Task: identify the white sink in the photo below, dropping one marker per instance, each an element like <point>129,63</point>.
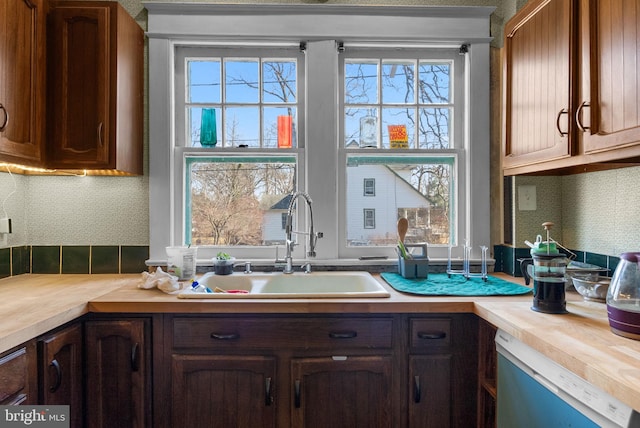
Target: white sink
<point>289,286</point>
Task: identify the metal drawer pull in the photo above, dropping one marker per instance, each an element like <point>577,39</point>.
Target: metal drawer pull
<point>563,111</point>
<point>268,398</point>
<point>223,336</point>
<point>417,393</point>
<point>6,117</point>
<point>581,127</point>
<point>134,357</point>
<point>100,126</point>
<point>54,363</point>
<point>432,335</point>
<point>296,399</point>
<point>343,334</point>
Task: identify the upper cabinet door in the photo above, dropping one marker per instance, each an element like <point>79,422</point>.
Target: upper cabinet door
<point>538,72</point>
<point>22,77</point>
<point>608,116</point>
<point>95,87</point>
<point>79,90</point>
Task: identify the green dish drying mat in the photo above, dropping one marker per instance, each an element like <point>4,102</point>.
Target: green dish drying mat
<point>439,284</point>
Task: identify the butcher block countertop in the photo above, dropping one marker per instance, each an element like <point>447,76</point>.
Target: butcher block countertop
<point>581,341</point>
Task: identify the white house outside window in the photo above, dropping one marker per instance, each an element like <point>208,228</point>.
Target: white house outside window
<point>243,107</point>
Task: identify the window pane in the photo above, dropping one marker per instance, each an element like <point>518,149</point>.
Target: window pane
<point>435,128</point>
<point>394,119</point>
<point>237,201</point>
<point>279,81</point>
<point>398,82</point>
<point>241,127</point>
<point>241,81</point>
<point>203,79</point>
<point>361,82</point>
<point>419,188</point>
<point>435,84</point>
<point>195,129</point>
<point>279,128</point>
<point>361,127</point>
<point>369,218</point>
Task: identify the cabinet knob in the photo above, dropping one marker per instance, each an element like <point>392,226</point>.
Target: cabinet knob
<point>343,334</point>
<point>56,384</point>
<point>417,392</point>
<point>581,127</point>
<point>6,118</point>
<point>430,335</point>
<point>134,357</point>
<point>296,396</point>
<point>560,113</point>
<point>225,336</point>
<point>268,398</point>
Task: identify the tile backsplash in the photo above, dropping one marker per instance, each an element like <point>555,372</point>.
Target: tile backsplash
<point>507,259</point>
<point>73,259</point>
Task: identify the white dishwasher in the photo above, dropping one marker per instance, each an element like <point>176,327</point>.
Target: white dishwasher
<point>536,392</point>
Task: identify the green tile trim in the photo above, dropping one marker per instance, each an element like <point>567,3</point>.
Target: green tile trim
<point>21,260</point>
<point>75,259</point>
<point>5,262</point>
<point>45,259</point>
<point>133,258</point>
<point>105,259</point>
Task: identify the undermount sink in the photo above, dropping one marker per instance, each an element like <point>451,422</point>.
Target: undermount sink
<point>289,286</point>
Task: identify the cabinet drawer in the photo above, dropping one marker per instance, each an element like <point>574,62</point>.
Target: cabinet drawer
<point>14,377</point>
<point>430,333</point>
<point>298,333</point>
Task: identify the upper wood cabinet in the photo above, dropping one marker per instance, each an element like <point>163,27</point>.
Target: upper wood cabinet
<point>22,81</point>
<point>571,96</point>
<point>537,72</point>
<point>608,116</point>
<point>95,87</point>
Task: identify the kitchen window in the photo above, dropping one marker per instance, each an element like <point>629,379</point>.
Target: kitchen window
<point>257,89</point>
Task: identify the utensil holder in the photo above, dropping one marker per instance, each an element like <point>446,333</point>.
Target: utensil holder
<point>416,267</point>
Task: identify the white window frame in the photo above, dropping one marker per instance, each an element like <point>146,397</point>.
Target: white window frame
<point>372,188</point>
<point>369,214</point>
<point>324,28</point>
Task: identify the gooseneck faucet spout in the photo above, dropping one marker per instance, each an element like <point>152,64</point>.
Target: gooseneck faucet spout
<point>290,243</point>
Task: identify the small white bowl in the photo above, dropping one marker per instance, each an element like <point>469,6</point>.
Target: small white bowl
<point>592,287</point>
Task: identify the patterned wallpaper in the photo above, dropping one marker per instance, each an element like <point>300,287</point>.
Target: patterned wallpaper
<point>594,212</point>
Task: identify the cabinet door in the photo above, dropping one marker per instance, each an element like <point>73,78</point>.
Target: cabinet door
<point>117,373</point>
<point>430,391</point>
<point>78,94</point>
<point>61,371</point>
<point>22,77</point>
<point>19,376</point>
<point>609,113</point>
<point>341,392</point>
<point>538,70</point>
<point>223,391</point>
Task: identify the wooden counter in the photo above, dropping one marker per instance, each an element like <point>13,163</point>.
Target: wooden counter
<point>580,341</point>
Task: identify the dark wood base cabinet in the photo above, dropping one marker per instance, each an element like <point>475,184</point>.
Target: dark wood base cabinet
<point>118,373</point>
<point>357,370</point>
<point>62,371</point>
<point>255,370</point>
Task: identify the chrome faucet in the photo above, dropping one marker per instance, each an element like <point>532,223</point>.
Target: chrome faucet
<point>290,243</point>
